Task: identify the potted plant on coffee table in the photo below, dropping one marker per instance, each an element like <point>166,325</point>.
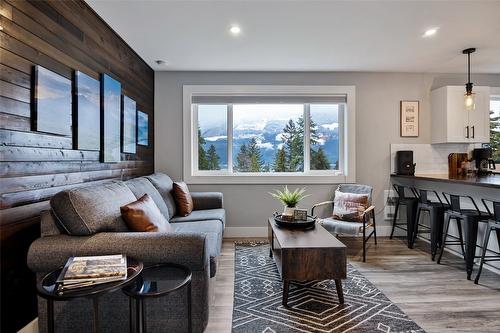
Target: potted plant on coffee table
<point>289,199</point>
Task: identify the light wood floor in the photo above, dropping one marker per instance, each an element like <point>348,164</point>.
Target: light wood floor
<point>438,297</point>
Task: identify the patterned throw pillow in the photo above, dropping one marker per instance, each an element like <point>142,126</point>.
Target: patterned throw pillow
<point>349,206</point>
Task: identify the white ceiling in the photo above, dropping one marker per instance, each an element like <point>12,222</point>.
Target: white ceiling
<point>309,35</point>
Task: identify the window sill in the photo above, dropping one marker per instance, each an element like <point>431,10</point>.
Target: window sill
<point>270,179</point>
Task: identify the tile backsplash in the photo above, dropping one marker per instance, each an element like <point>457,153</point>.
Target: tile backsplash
<point>430,159</point>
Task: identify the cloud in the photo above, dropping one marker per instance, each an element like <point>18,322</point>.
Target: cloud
<point>215,138</point>
<point>331,126</point>
<point>280,137</point>
<point>265,145</point>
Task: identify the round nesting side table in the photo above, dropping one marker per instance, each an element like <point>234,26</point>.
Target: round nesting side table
<point>157,281</point>
<point>47,289</point>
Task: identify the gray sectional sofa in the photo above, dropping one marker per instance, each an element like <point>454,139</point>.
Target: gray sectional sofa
<point>87,221</point>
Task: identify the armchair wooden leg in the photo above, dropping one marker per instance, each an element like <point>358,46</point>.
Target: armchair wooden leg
<point>364,242</point>
<point>374,227</point>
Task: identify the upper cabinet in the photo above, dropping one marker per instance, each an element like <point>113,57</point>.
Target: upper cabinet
<point>450,122</point>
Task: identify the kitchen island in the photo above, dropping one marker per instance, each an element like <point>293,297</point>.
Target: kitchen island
<point>486,187</point>
<point>491,181</point>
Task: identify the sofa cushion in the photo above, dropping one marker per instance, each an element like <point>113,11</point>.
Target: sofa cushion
<point>213,231</point>
<point>183,200</point>
<point>141,186</point>
<point>91,209</point>
<point>164,185</point>
<point>202,215</point>
<point>144,216</point>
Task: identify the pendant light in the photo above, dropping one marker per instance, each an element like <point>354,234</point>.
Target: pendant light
<point>469,95</point>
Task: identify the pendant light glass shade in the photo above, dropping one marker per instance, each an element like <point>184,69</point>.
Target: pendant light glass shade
<point>470,101</point>
<point>469,97</point>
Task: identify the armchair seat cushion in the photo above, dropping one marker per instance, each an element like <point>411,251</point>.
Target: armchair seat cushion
<point>342,227</point>
<point>202,215</point>
<point>212,229</point>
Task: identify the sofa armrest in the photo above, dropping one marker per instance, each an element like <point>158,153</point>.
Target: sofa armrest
<point>189,249</point>
<point>207,200</point>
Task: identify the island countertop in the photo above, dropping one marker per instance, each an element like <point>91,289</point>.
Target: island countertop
<point>491,181</point>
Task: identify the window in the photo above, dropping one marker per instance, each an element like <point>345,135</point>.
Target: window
<point>268,134</point>
<point>495,129</point>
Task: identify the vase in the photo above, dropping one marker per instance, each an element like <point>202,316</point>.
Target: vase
<point>288,211</point>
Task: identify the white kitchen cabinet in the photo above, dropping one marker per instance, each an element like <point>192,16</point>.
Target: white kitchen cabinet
<point>450,122</point>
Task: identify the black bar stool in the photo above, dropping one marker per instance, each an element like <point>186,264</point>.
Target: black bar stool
<point>411,207</point>
<point>493,225</point>
<point>436,214</point>
<point>470,218</point>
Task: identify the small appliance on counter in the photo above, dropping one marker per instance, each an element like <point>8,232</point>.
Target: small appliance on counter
<point>458,165</point>
<point>484,164</point>
<point>404,163</point>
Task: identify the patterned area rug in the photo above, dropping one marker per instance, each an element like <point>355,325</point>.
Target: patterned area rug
<point>313,305</point>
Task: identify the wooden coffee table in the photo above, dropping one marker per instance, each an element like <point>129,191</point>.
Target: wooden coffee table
<point>304,255</point>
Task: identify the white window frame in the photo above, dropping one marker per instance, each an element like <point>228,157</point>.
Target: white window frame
<point>347,124</point>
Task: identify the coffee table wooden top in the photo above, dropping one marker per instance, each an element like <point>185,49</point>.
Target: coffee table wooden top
<point>318,237</point>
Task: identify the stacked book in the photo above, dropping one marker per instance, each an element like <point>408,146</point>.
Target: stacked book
<point>80,272</point>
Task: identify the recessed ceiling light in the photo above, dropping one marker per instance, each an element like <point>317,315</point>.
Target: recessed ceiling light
<point>430,32</point>
<point>235,30</point>
<point>1,28</point>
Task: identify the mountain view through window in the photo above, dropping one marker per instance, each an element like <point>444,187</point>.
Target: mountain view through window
<point>268,137</point>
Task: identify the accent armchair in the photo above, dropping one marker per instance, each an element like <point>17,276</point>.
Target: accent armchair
<point>366,228</point>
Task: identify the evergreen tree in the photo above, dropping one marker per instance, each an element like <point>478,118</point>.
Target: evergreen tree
<point>294,145</point>
<point>202,156</point>
<point>255,157</point>
<point>213,159</point>
<point>279,164</point>
<point>319,161</point>
<point>495,136</point>
<point>242,160</point>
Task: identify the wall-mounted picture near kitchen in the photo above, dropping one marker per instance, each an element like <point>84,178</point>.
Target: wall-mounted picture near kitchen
<point>111,105</point>
<point>87,117</point>
<point>142,128</point>
<point>51,102</point>
<point>129,125</point>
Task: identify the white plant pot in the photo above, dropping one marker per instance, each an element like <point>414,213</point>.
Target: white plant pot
<point>288,210</point>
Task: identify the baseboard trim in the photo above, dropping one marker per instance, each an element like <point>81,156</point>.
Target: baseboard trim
<point>245,232</point>
<point>32,327</point>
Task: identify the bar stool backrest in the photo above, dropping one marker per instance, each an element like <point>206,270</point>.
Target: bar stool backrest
<point>495,205</point>
<point>423,195</point>
<point>496,211</point>
<point>454,202</point>
<point>401,190</point>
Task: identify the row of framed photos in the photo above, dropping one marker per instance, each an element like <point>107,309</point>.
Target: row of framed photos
<point>95,112</point>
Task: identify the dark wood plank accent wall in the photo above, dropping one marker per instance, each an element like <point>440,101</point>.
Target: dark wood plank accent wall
<point>62,36</point>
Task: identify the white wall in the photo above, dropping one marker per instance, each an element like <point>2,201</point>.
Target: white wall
<point>377,126</point>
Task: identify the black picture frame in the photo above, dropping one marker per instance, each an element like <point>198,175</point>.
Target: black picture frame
<point>86,112</point>
<point>51,105</point>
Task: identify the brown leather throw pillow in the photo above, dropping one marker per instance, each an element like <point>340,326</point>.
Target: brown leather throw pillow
<point>143,215</point>
<point>349,206</point>
<point>183,199</point>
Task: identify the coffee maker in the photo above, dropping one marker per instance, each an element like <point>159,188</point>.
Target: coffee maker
<point>484,163</point>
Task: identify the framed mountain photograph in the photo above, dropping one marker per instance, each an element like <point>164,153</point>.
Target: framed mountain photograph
<point>51,105</point>
<point>129,125</point>
<point>110,119</point>
<point>86,115</point>
<point>142,129</point>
